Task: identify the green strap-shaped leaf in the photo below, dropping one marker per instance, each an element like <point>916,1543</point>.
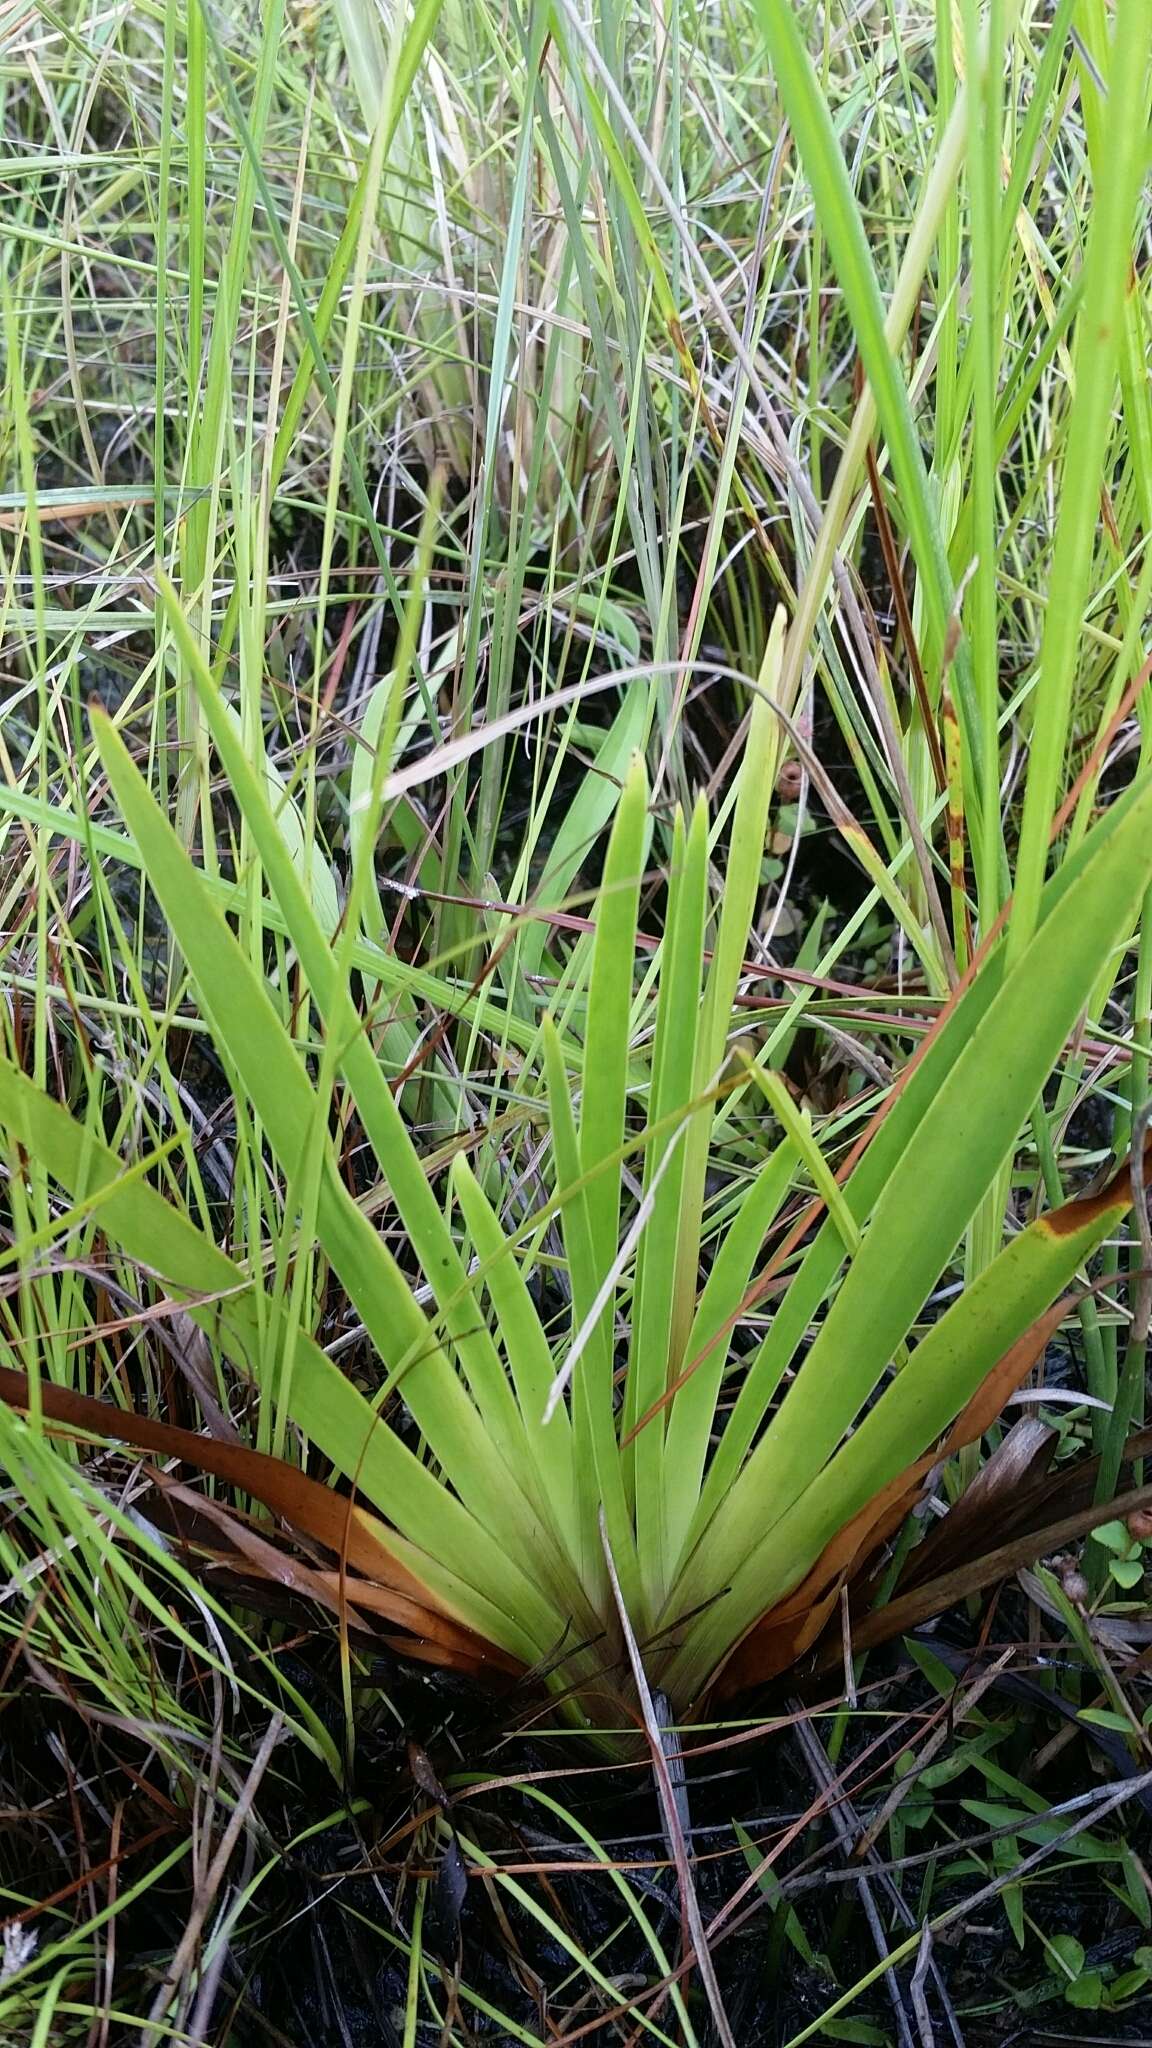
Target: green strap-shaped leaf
<point>598,1472</point>
<point>737,907</point>
<point>244,1020</point>
<point>693,1410</point>
<point>592,806</point>
<point>484,1011</point>
<point>381,1116</point>
<point>946,1369</point>
<point>603,1099</point>
<point>674,1062</point>
<point>529,1355</point>
<point>810,1285</point>
<point>950,1157</point>
<point>468,1569</point>
<point>605,1078</point>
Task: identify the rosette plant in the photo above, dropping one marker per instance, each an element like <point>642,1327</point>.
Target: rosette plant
<point>569,1495</point>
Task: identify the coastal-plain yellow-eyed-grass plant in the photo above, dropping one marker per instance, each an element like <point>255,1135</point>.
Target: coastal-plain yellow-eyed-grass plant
<point>715,1484</point>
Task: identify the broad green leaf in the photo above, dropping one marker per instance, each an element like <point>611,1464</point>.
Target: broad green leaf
<point>363,40</point>
<point>307,858</point>
<point>674,1065</point>
<point>693,1412</point>
<point>526,1347</point>
<point>1067,1953</point>
<point>742,887</point>
<point>468,1568</point>
<point>603,1097</point>
<point>383,1121</point>
<point>583,822</point>
<point>919,1095</point>
<point>934,1185</point>
<point>605,1077</point>
<point>942,1374</point>
<point>597,1464</point>
<point>245,1021</point>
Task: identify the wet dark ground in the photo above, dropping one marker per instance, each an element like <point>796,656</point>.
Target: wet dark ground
<point>311,1962</point>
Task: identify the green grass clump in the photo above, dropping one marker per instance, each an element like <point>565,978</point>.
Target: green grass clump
<point>574,870</point>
